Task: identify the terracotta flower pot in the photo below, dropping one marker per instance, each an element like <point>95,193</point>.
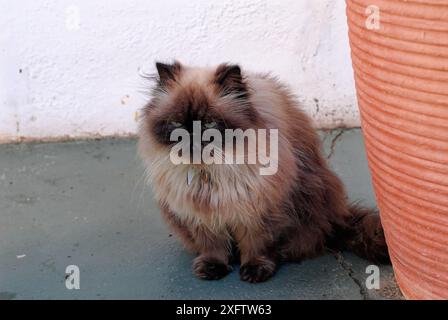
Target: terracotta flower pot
<point>401,74</point>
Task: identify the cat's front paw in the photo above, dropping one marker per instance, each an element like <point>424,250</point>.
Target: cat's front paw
<point>258,270</point>
<point>210,269</point>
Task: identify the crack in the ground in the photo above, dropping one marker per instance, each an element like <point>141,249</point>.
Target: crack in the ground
<point>347,267</point>
<point>334,141</point>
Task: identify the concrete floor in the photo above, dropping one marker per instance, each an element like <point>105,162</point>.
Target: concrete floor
<point>85,204</point>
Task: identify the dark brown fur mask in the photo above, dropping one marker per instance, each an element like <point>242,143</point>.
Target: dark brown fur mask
<point>217,97</point>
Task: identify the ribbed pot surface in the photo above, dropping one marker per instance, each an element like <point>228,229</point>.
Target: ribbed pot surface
<point>401,74</point>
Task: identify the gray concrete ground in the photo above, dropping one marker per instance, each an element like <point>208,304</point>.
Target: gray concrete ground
<point>85,204</point>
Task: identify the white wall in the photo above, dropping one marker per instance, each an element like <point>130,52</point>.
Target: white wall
<point>64,77</point>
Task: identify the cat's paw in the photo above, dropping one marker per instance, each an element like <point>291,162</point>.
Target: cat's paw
<point>258,270</point>
<point>210,269</point>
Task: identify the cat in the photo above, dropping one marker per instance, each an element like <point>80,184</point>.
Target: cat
<point>229,212</point>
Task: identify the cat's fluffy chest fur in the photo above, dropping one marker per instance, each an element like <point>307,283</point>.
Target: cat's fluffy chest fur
<point>220,197</point>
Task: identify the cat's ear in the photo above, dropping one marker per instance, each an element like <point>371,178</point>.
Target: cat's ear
<point>229,78</point>
<point>168,72</point>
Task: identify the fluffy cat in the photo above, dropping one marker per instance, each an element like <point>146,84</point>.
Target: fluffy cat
<point>230,210</point>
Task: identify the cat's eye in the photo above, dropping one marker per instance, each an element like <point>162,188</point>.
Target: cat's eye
<point>176,124</point>
<point>210,125</point>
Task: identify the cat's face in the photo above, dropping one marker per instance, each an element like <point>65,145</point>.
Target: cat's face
<point>218,98</point>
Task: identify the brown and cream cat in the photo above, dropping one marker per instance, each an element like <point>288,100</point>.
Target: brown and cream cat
<point>230,210</point>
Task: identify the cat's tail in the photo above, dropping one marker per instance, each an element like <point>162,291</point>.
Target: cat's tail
<point>362,233</point>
